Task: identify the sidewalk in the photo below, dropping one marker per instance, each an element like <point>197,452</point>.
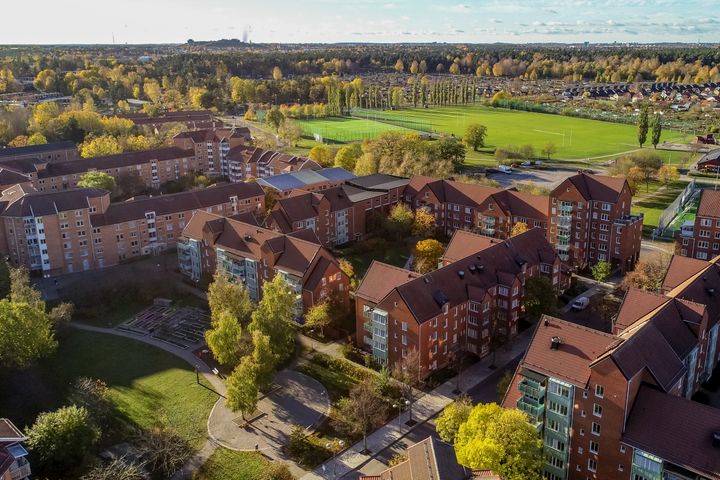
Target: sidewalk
<point>424,408</point>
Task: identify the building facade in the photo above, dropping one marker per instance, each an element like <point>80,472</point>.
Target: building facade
<point>253,162</point>
<point>472,304</point>
<point>48,153</point>
<point>701,239</point>
<point>212,147</point>
<point>590,221</point>
<point>254,255</point>
<point>14,464</point>
<point>76,230</point>
<point>591,394</point>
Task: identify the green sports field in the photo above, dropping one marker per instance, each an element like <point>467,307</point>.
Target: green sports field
<point>575,138</point>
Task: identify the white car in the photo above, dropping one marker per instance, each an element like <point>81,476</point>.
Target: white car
<point>505,169</point>
<point>580,304</point>
<point>525,164</point>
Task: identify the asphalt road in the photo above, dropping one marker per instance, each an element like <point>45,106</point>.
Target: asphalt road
<point>549,177</point>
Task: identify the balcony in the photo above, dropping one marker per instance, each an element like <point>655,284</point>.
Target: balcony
<point>531,388</point>
<point>489,221</point>
<point>564,221</point>
<point>488,231</point>
<point>534,410</point>
<point>563,247</point>
<point>564,235</point>
<point>367,326</point>
<point>21,472</point>
<point>564,257</point>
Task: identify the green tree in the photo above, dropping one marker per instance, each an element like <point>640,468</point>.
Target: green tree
<point>452,416</point>
<point>500,440</point>
<point>242,387</point>
<point>475,135</point>
<point>100,146</point>
<point>601,270</point>
<point>28,334</point>
<point>227,296</point>
<point>318,316</point>
<point>549,149</point>
<point>361,411</point>
<point>97,179</point>
<point>274,118</point>
<point>224,338</point>
<point>503,384</point>
<point>451,148</point>
<point>290,132</point>
<point>656,130</point>
<point>59,440</point>
<point>321,154</point>
<point>273,317</point>
<point>427,255</point>
<point>264,358</point>
<point>347,156</point>
<point>540,297</point>
<point>400,220</point>
<point>643,126</point>
<point>37,138</point>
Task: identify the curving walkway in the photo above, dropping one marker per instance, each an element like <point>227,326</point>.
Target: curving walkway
<point>296,400</point>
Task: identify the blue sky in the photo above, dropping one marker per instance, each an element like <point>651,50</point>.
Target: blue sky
<point>481,21</point>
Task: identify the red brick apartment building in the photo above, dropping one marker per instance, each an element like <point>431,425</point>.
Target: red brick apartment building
<point>212,148</point>
<point>13,456</point>
<point>254,255</point>
<point>616,406</point>
<point>75,230</point>
<point>590,221</point>
<point>702,240</point>
<point>340,214</point>
<point>501,211</point>
<point>253,162</point>
<point>48,153</point>
<point>192,119</point>
<point>462,305</point>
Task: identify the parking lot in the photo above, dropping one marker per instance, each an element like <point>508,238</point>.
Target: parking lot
<point>548,177</point>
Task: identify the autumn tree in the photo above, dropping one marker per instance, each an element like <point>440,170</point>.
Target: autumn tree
<point>321,154</point>
<point>346,157</point>
<point>366,164</point>
<point>475,135</point>
<point>399,65</point>
<point>452,416</point>
<point>37,138</point>
<point>362,411</point>
<point>501,440</point>
<point>277,74</point>
<point>427,255</point>
<point>648,275</point>
<point>518,228</point>
<point>423,223</point>
<point>274,117</point>
<point>549,149</point>
<point>399,222</point>
<point>227,296</point>
<point>318,316</point>
<point>667,174</point>
<point>97,179</point>
<point>409,373</point>
<point>601,270</point>
<point>348,269</point>
<point>100,146</point>
<point>242,387</point>
<point>290,132</point>
<point>224,338</point>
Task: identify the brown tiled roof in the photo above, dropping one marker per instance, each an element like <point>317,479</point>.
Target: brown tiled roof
<point>135,209</point>
<point>426,296</point>
<point>298,206</point>
<point>636,304</point>
<point>709,203</point>
<point>702,288</point>
<point>680,269</point>
<point>120,160</point>
<point>579,347</point>
<point>9,152</point>
<point>418,182</point>
<point>598,187</point>
<point>381,278</point>
<point>429,459</point>
<point>25,203</point>
<point>9,432</point>
<point>210,135</point>
<point>520,204</point>
<point>463,244</point>
<point>11,177</point>
<point>467,193</point>
<point>675,429</point>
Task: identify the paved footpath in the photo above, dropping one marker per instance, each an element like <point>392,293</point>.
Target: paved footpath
<point>425,408</point>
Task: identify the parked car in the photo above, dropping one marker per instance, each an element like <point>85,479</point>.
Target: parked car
<point>525,164</point>
<point>585,170</point>
<point>580,304</point>
<point>505,169</point>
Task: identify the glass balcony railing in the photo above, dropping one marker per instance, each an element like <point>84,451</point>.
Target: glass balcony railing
<point>563,235</point>
<point>563,247</point>
<point>489,220</point>
<point>531,388</point>
<point>535,412</point>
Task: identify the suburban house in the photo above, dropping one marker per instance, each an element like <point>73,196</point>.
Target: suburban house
<point>253,255</point>
<point>48,153</point>
<point>74,230</point>
<point>13,456</point>
<point>701,239</point>
<point>471,304</point>
<point>431,459</point>
<point>212,146</point>
<point>617,405</point>
<point>590,221</point>
<point>710,161</point>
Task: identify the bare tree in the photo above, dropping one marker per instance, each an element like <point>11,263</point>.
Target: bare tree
<point>118,469</point>
<point>362,411</point>
<point>408,373</point>
<point>163,450</point>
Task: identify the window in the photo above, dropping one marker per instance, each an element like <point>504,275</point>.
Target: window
<point>595,428</point>
<point>594,447</point>
<point>706,222</point>
<point>592,465</point>
<point>597,410</point>
<point>599,391</point>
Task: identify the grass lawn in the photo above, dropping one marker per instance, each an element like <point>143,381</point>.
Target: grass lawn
<point>147,385</point>
<point>227,464</point>
<point>344,129</point>
<point>653,205</point>
<point>575,138</point>
<point>393,253</point>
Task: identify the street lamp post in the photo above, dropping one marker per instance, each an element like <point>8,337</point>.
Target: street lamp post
<point>335,451</point>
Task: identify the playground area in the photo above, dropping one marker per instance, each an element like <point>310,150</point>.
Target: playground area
<point>182,327</point>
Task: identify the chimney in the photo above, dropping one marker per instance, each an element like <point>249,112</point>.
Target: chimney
<point>555,343</point>
<point>546,322</point>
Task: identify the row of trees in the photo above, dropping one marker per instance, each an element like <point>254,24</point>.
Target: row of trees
<point>644,166</point>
